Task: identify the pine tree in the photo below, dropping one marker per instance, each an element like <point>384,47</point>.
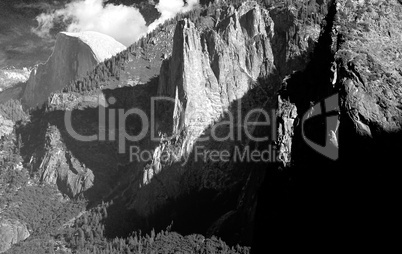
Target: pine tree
<point>51,248</point>
<point>81,238</point>
<point>104,212</point>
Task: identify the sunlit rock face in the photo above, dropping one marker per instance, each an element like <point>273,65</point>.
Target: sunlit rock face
<point>61,168</point>
<point>73,56</point>
<point>210,69</point>
<point>11,232</point>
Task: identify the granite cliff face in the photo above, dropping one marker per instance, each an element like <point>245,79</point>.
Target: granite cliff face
<point>210,69</point>
<point>74,55</point>
<point>11,232</point>
<point>369,65</point>
<point>61,168</point>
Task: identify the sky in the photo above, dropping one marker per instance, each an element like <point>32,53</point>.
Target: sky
<point>19,47</point>
<point>28,28</point>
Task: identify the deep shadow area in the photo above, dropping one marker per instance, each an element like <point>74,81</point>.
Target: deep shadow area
<point>298,205</point>
<point>200,196</point>
<point>319,201</point>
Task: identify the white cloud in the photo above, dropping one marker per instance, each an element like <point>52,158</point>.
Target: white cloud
<point>45,23</point>
<point>170,8</point>
<point>123,23</point>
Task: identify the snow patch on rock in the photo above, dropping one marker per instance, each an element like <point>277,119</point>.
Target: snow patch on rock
<point>102,45</point>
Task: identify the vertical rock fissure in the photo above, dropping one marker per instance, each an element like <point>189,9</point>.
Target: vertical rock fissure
<point>290,195</point>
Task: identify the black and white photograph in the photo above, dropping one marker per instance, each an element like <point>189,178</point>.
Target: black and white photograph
<point>199,126</point>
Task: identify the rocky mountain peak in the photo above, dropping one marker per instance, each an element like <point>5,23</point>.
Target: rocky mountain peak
<point>74,55</point>
<point>212,67</point>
